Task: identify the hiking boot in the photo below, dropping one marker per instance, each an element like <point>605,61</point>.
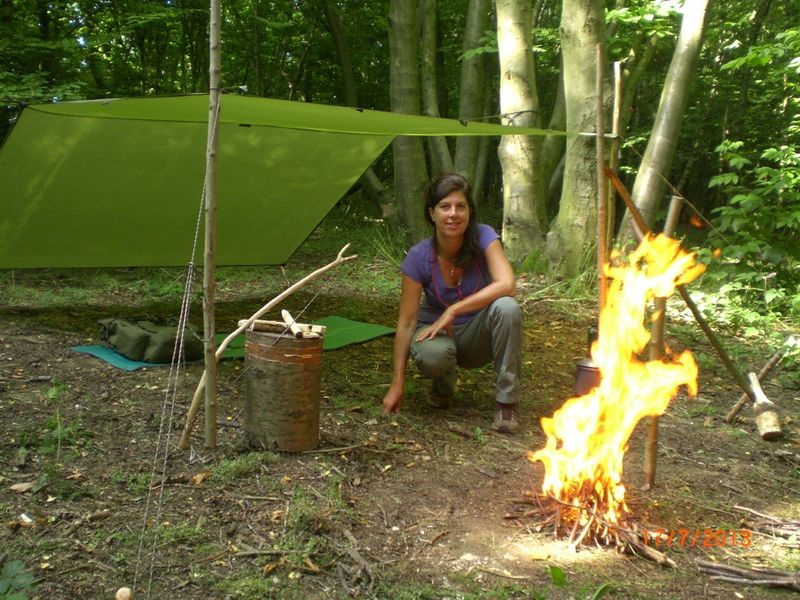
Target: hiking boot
<point>506,419</point>
<point>441,395</point>
<point>437,400</point>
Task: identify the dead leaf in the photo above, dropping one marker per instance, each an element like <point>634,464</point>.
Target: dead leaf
<point>200,477</point>
<point>21,488</point>
<point>311,566</point>
<point>276,515</point>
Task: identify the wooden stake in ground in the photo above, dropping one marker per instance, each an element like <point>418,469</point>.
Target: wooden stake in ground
<point>657,353</point>
<point>187,430</point>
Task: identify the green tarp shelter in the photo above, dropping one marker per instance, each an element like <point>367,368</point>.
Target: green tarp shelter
<point>118,182</point>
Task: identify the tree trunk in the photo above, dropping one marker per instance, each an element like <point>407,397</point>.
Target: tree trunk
<point>635,68</point>
<point>553,149</point>
<point>371,183</point>
<point>650,185</point>
<point>472,88</point>
<point>574,233</point>
<point>441,160</point>
<point>486,150</point>
<point>523,186</point>
<point>410,173</point>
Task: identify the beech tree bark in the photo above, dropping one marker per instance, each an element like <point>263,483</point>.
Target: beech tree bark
<point>441,159</point>
<point>523,185</point>
<point>650,185</point>
<point>370,182</point>
<point>410,171</point>
<point>571,240</point>
<point>472,88</point>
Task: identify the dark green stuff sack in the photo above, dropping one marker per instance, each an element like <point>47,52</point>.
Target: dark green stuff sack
<point>146,341</point>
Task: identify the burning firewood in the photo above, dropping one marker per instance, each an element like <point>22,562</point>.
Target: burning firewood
<point>588,436</point>
<point>588,527</point>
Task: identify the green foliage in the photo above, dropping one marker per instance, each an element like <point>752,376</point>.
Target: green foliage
<point>242,466</point>
<point>183,533</point>
<point>389,245</point>
<point>52,481</point>
<point>254,586</point>
<point>49,442</point>
<point>559,578</point>
<point>480,436</point>
<point>136,483</point>
<point>15,581</point>
<point>757,229</point>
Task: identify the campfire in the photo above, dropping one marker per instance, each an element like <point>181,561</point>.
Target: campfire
<point>588,436</point>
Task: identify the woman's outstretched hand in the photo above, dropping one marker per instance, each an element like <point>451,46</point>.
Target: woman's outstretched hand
<point>442,324</point>
<point>393,399</point>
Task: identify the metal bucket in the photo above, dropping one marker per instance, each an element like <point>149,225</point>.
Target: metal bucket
<point>282,391</point>
<point>587,376</point>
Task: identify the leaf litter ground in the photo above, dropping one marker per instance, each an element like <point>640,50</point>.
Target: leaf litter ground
<point>427,504</point>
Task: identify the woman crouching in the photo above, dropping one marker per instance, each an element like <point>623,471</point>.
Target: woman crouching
<point>457,305</point>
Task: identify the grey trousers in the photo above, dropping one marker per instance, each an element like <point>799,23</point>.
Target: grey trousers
<point>494,334</point>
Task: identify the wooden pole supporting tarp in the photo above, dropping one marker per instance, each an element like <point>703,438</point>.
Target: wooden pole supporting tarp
<point>613,153</point>
<point>657,353</point>
<point>602,182</point>
<point>209,285</point>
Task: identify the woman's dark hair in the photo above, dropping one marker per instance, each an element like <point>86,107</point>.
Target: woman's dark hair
<point>441,187</point>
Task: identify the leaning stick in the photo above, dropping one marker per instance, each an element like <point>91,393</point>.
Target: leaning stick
<point>774,360</point>
<point>643,230</point>
<point>198,394</point>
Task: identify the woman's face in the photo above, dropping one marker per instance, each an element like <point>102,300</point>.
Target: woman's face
<point>451,215</point>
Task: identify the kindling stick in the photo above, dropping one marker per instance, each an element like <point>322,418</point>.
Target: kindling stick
<point>643,230</point>
<point>291,324</point>
<point>198,394</point>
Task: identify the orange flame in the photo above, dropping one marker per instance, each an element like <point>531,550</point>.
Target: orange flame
<point>587,437</point>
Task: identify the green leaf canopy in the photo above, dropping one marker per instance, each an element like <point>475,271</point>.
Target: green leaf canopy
<point>106,183</point>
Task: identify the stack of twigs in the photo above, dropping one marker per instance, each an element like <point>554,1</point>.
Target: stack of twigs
<point>584,525</point>
<point>767,524</point>
<point>755,576</point>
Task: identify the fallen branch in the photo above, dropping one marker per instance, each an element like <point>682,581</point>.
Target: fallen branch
<point>634,544</point>
<point>774,360</point>
<point>754,576</point>
<point>198,394</point>
<point>773,526</point>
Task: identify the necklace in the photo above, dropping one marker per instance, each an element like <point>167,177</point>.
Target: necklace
<point>451,265</point>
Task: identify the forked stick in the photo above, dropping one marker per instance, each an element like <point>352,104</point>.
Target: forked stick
<point>198,393</point>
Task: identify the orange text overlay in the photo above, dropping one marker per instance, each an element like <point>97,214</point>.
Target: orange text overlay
<point>707,538</point>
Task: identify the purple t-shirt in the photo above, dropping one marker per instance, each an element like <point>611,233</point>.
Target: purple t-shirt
<point>420,264</point>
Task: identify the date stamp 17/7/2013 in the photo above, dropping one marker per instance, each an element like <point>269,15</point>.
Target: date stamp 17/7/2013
<point>689,538</point>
